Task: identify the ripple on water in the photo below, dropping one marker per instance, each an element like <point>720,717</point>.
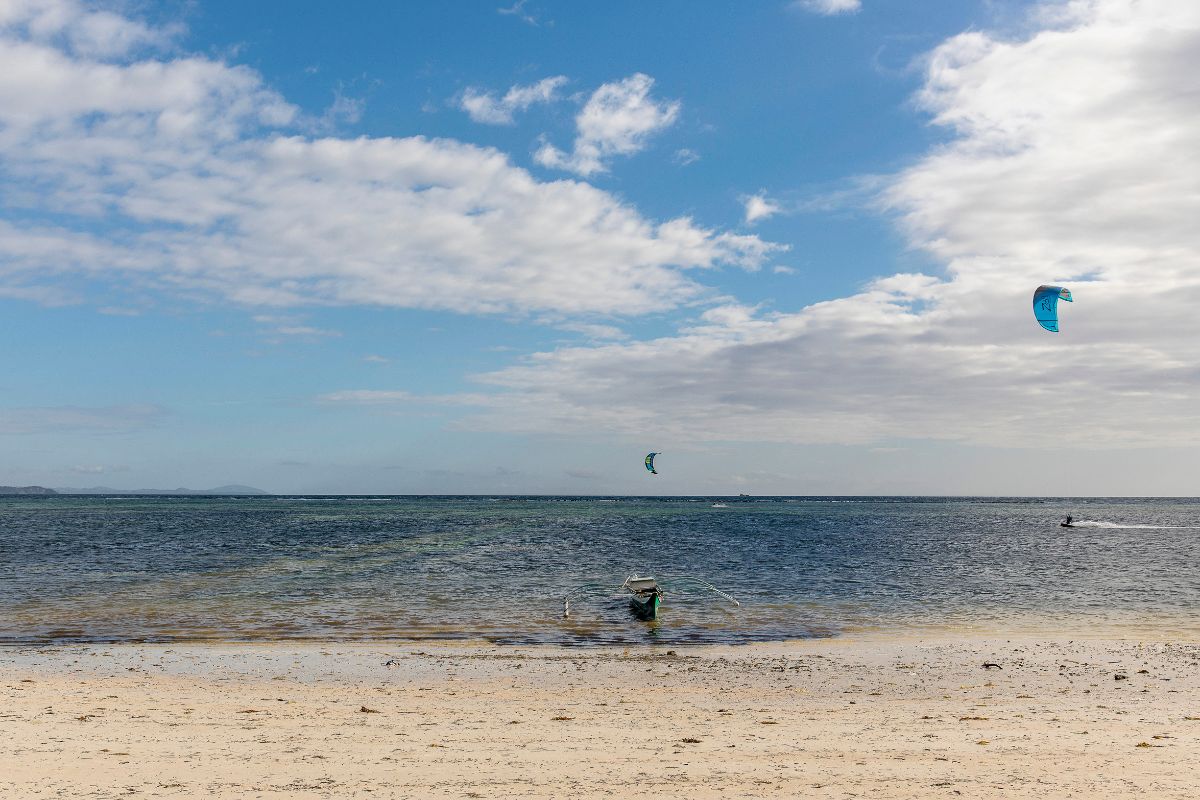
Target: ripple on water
<point>93,569</point>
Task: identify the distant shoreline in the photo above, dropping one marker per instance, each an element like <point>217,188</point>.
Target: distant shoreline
<point>232,490</point>
<point>250,491</point>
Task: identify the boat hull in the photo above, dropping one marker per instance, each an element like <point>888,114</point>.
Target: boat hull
<point>645,606</point>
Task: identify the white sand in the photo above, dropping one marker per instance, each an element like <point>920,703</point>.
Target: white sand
<point>836,718</point>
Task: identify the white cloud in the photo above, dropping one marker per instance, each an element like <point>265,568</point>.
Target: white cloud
<point>83,31</point>
<point>1075,160</point>
<point>617,119</point>
<point>186,175</point>
<point>277,326</point>
<point>343,110</point>
<point>517,10</point>
<point>44,295</point>
<point>594,331</point>
<point>366,397</point>
<point>305,330</point>
<point>684,156</point>
<point>394,397</point>
<point>75,419</point>
<point>828,7</point>
<point>759,206</point>
<point>485,107</point>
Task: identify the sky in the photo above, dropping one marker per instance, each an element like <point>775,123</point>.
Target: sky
<point>511,248</point>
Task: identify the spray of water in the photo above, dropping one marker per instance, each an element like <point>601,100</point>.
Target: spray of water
<point>1089,523</point>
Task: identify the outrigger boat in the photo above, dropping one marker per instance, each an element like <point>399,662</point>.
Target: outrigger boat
<point>645,594</point>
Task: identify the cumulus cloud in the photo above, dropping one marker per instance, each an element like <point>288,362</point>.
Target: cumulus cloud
<point>1074,159</point>
<point>759,206</point>
<point>617,120</point>
<point>189,175</point>
<point>81,30</point>
<point>485,107</point>
<point>828,7</point>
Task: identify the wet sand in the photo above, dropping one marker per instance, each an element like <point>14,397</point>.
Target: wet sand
<point>852,717</point>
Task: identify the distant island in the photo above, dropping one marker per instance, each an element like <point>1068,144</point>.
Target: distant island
<point>26,490</point>
<point>235,489</point>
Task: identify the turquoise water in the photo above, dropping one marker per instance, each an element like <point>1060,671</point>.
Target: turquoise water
<point>87,569</point>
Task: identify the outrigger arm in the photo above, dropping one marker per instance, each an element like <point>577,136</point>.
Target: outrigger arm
<point>583,587</point>
<point>607,587</point>
<point>709,586</point>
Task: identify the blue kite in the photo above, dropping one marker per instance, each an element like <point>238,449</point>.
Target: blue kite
<point>650,463</point>
<point>1045,305</point>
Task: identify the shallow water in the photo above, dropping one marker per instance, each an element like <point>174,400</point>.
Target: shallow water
<point>86,569</point>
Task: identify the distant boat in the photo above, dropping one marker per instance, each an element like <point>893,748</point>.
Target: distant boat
<point>720,505</point>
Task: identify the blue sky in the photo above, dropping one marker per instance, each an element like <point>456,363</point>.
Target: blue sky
<point>432,247</point>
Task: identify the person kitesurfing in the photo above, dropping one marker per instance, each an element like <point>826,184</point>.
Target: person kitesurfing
<point>1067,522</point>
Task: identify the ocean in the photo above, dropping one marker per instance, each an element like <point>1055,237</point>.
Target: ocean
<point>78,569</point>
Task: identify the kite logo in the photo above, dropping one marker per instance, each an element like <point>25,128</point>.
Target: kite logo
<point>1045,305</point>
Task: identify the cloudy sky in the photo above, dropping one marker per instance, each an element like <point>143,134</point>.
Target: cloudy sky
<point>469,247</point>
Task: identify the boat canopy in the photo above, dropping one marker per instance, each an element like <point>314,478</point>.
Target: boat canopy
<point>636,584</point>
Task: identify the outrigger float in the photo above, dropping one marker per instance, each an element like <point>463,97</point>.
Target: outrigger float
<point>645,593</point>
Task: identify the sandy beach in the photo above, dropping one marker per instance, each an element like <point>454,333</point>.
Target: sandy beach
<point>852,717</point>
